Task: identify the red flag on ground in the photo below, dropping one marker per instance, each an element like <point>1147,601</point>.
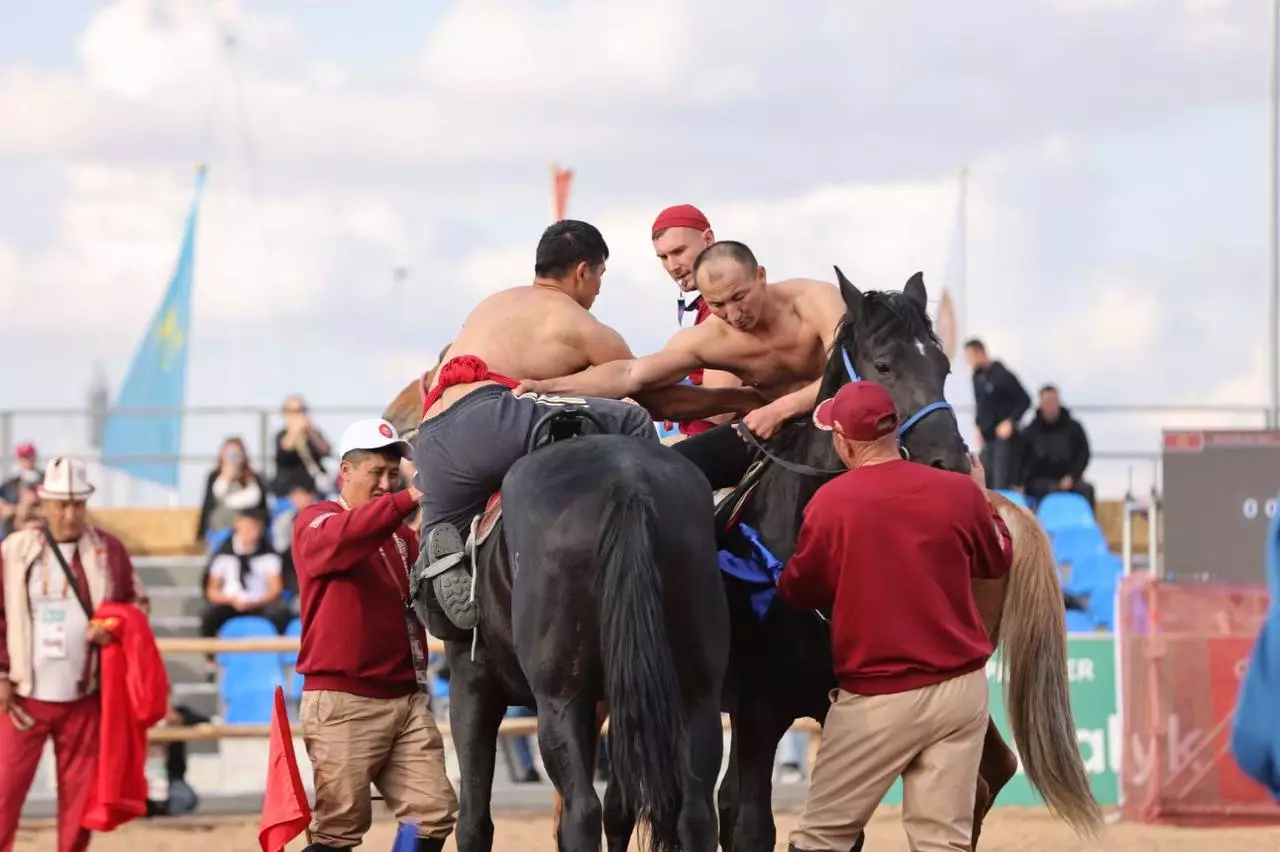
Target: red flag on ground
<point>285,811</point>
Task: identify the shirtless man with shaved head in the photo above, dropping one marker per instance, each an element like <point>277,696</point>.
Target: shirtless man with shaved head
<point>772,337</point>
<point>474,428</point>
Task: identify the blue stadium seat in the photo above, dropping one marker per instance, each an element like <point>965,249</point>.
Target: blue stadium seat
<point>1097,576</point>
<point>289,659</point>
<point>249,679</point>
<point>1080,622</point>
<point>294,629</point>
<point>1075,543</point>
<point>1063,509</point>
<point>1016,497</point>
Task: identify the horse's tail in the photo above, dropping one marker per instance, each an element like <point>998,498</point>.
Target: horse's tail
<point>1033,642</point>
<point>645,710</point>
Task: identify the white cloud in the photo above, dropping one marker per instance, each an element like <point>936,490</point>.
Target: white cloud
<point>818,139</point>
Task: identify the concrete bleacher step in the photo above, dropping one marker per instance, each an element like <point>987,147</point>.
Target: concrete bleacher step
<point>159,571</point>
<point>174,601</point>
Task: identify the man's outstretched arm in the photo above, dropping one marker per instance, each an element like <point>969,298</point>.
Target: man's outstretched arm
<point>691,402</point>
<point>616,372</point>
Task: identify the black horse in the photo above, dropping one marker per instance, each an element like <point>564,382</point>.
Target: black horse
<point>598,585</point>
<point>781,667</point>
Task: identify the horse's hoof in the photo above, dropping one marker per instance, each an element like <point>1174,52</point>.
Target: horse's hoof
<point>453,591</point>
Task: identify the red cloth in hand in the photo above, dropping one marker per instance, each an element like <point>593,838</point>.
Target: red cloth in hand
<point>134,696</point>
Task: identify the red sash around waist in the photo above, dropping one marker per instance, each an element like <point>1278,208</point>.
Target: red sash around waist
<point>463,370</point>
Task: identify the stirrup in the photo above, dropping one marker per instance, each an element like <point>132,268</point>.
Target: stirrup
<point>445,550</point>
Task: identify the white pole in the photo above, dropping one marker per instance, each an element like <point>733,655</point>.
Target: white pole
<point>963,243</point>
<point>1273,159</point>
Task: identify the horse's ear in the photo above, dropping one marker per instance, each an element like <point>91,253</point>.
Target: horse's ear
<point>914,289</point>
<point>852,295</point>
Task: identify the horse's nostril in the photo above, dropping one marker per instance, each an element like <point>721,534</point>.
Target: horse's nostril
<point>938,463</point>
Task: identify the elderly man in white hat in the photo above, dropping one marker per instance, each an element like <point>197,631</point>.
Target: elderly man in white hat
<point>365,716</point>
<point>54,577</point>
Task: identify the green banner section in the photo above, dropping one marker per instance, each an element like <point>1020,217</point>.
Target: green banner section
<point>1091,665</point>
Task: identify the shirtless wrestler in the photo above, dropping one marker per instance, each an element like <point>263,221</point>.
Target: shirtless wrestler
<point>773,337</point>
<point>475,428</point>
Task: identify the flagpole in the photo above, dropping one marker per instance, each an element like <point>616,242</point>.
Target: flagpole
<point>962,287</point>
<point>1273,291</point>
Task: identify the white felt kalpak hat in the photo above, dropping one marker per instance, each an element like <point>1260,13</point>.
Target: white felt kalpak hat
<point>65,479</point>
<point>372,434</point>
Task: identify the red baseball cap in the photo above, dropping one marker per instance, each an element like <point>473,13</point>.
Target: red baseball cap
<point>25,450</point>
<point>680,216</point>
<point>860,411</point>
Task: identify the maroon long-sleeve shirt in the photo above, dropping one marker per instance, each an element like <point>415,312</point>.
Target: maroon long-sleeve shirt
<point>891,551</point>
<point>354,637</point>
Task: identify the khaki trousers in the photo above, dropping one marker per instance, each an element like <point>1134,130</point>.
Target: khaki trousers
<point>931,737</point>
<point>392,743</point>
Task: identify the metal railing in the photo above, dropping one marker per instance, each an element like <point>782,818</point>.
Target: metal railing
<point>1125,438</point>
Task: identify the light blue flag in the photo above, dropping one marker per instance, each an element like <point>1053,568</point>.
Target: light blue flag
<point>157,378</point>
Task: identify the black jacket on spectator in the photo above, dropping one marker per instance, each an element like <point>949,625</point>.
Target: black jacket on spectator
<point>1054,450</point>
<point>997,396</point>
<point>291,467</point>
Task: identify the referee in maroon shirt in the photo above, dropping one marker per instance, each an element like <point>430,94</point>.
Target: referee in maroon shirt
<point>891,548</point>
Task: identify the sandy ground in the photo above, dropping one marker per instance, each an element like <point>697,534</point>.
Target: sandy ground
<point>1009,830</point>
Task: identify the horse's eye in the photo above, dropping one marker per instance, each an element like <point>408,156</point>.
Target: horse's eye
<point>882,368</point>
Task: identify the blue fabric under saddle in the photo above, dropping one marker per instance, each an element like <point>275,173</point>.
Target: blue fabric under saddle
<point>1255,736</point>
<point>760,568</point>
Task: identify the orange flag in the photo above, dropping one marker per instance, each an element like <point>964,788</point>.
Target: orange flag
<point>561,181</point>
<point>285,811</point>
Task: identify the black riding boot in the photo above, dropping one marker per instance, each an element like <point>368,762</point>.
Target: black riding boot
<point>430,844</point>
<point>322,847</point>
<point>857,845</point>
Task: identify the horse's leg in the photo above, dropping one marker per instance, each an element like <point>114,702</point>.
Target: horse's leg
<point>760,725</point>
<point>705,737</point>
<point>565,736</point>
<point>999,765</point>
<point>619,820</point>
<point>727,797</point>
<point>475,714</point>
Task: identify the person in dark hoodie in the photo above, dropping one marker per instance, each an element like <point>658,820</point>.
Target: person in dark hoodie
<point>1000,402</point>
<point>1055,451</point>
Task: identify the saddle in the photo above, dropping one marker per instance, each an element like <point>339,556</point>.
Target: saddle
<point>559,425</point>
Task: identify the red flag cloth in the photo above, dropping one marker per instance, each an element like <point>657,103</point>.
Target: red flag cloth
<point>134,696</point>
<point>285,810</point>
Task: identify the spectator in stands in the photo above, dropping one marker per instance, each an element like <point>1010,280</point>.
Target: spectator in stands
<point>298,496</point>
<point>28,476</point>
<point>300,450</point>
<point>365,707</point>
<point>27,513</point>
<point>1001,401</point>
<point>245,577</point>
<point>1055,450</point>
<point>232,487</point>
<point>48,675</point>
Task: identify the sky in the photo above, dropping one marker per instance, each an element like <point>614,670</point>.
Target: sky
<point>1116,199</point>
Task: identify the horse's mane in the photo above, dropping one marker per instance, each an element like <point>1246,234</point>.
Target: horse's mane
<point>883,313</point>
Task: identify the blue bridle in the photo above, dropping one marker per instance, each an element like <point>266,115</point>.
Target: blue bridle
<point>906,425</point>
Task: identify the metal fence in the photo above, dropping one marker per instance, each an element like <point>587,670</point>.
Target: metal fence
<point>1125,441</point>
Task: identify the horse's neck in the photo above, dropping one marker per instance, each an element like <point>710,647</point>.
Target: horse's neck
<point>779,504</point>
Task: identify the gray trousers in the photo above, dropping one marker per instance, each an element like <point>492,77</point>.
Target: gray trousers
<point>462,455</point>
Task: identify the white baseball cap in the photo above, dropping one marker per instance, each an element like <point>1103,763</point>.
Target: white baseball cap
<point>372,434</point>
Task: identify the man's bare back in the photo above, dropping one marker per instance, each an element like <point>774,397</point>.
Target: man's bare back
<point>529,332</point>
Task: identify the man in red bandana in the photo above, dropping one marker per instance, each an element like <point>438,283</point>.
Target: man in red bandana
<point>679,234</point>
<point>475,428</point>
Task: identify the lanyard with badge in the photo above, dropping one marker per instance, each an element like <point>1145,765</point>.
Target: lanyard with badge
<point>51,628</point>
<point>410,618</point>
